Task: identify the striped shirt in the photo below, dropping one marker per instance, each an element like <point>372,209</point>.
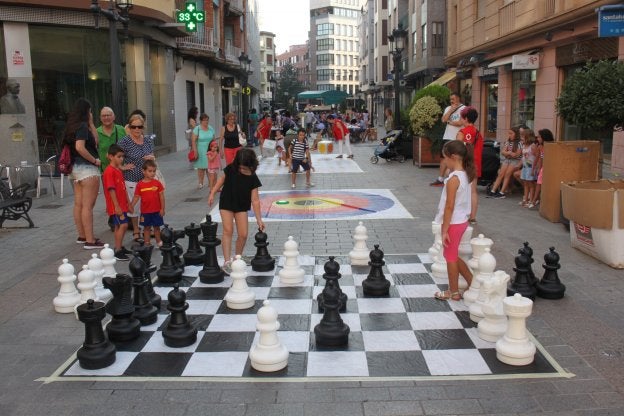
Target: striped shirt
<point>298,149</point>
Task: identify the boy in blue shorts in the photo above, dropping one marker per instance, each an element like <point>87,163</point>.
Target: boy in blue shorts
<point>116,198</point>
<point>300,156</point>
<point>151,192</point>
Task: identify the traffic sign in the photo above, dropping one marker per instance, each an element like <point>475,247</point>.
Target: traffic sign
<point>190,16</point>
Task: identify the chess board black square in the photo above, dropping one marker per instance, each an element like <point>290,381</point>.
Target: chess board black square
<point>384,322</point>
<point>206,293</point>
<point>201,322</point>
<point>226,341</point>
<point>356,343</point>
<point>259,281</point>
<point>158,364</point>
<point>539,364</point>
<point>224,309</point>
<point>294,322</point>
<point>444,339</point>
<point>293,292</point>
<point>135,345</point>
<point>297,363</point>
<point>396,363</point>
<point>425,305</point>
<point>412,279</point>
<point>464,318</point>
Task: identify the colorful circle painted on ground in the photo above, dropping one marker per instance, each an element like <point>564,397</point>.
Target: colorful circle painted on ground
<point>308,204</point>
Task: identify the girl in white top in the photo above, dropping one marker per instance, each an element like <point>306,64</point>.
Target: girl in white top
<point>453,213</point>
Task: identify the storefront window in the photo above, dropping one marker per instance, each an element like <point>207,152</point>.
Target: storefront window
<point>67,64</point>
<point>523,98</point>
<point>492,109</point>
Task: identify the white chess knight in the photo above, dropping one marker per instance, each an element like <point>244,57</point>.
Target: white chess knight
<point>239,296</point>
<point>360,254</point>
<point>291,273</point>
<point>487,264</point>
<point>494,322</point>
<point>68,296</point>
<point>479,244</point>
<point>268,354</point>
<point>108,259</point>
<point>97,267</point>
<point>515,348</point>
<point>86,285</point>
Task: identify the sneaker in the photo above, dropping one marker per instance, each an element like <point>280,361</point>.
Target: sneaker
<point>97,244</point>
<point>81,240</point>
<point>437,182</point>
<point>530,205</point>
<point>120,255</point>
<point>499,195</point>
<point>339,157</point>
<point>350,157</point>
<point>293,186</point>
<point>309,185</point>
<point>489,194</point>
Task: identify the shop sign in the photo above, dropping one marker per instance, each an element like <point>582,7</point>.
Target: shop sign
<point>611,20</point>
<point>488,72</point>
<point>18,58</point>
<point>525,62</point>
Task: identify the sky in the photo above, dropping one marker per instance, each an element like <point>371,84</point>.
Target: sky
<point>288,19</point>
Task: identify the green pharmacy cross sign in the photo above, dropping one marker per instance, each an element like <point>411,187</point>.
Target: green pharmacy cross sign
<point>191,17</point>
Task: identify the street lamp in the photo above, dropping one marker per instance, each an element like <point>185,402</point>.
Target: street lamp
<point>397,44</point>
<point>372,114</point>
<point>118,11</point>
<point>273,83</point>
<point>245,63</point>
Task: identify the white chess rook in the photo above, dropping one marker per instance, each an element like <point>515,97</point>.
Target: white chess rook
<point>108,259</point>
<point>239,296</point>
<point>487,264</point>
<point>68,297</point>
<point>494,323</point>
<point>291,273</point>
<point>360,252</point>
<point>515,348</point>
<point>268,354</point>
<point>97,267</point>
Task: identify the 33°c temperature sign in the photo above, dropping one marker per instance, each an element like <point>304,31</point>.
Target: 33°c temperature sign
<point>190,16</point>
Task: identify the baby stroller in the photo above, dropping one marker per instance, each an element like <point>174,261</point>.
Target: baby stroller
<point>388,148</point>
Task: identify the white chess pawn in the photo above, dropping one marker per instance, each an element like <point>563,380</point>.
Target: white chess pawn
<point>68,296</point>
<point>436,229</point>
<point>291,273</point>
<point>515,348</point>
<point>108,259</point>
<point>86,285</point>
<point>479,244</point>
<point>239,296</point>
<point>268,354</point>
<point>359,254</point>
<point>487,264</point>
<point>494,322</point>
<point>97,267</point>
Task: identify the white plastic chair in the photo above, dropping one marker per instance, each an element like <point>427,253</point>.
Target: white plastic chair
<point>46,169</point>
<point>7,170</point>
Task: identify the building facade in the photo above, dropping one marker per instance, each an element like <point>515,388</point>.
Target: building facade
<point>268,66</point>
<point>299,57</point>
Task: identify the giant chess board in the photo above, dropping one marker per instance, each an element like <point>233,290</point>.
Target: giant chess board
<point>408,335</point>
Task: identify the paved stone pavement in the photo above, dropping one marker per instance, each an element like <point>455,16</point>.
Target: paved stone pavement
<point>584,331</point>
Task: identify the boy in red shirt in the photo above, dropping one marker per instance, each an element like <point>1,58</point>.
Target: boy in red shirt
<point>152,194</point>
<point>117,198</point>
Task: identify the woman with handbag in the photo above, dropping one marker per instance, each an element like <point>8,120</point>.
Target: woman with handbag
<point>202,136</point>
<point>264,131</point>
<point>80,135</point>
<point>229,138</point>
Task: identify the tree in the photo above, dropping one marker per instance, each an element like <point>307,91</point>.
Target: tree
<point>288,87</point>
<point>593,96</point>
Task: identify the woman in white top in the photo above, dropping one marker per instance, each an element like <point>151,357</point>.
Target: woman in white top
<point>453,214</point>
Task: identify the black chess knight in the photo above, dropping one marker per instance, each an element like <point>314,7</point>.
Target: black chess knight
<point>169,271</point>
<point>123,327</point>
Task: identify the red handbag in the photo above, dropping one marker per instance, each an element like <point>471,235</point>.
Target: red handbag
<point>192,156</point>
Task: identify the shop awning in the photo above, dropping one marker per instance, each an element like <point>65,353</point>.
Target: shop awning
<point>508,60</point>
<point>445,78</point>
<point>328,97</point>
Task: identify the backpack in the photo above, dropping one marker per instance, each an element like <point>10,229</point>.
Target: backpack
<point>66,161</point>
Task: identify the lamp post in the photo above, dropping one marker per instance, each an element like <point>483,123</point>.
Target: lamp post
<point>273,83</point>
<point>371,88</point>
<point>245,90</point>
<point>118,11</point>
<point>397,44</point>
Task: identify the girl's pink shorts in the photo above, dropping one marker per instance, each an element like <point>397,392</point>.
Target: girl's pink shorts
<point>451,250</point>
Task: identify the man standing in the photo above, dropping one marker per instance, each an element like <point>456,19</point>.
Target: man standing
<point>108,133</point>
<point>452,118</point>
<point>10,103</point>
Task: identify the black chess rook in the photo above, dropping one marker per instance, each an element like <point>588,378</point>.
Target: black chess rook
<point>169,272</point>
<point>179,332</point>
<point>96,351</point>
<point>376,283</point>
<point>262,261</point>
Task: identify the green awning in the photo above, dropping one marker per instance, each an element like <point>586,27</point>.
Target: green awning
<point>328,97</point>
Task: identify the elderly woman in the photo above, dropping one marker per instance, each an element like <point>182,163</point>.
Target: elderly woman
<point>228,138</point>
<point>80,135</point>
<point>137,148</point>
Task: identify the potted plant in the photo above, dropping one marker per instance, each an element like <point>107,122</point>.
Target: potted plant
<point>425,122</point>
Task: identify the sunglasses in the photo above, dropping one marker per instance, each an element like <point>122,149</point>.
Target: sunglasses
<point>136,127</point>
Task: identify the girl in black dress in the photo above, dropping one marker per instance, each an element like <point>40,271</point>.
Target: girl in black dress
<point>239,194</point>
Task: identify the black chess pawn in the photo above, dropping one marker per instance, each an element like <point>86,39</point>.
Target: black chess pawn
<point>96,351</point>
<point>331,331</point>
<point>332,272</point>
<point>194,254</point>
<point>262,261</point>
<point>145,253</point>
<point>550,287</point>
<point>528,251</point>
<point>178,251</point>
<point>376,283</point>
<point>123,327</point>
<point>522,282</point>
<point>168,272</point>
<point>144,311</point>
<point>178,332</point>
<point>211,272</point>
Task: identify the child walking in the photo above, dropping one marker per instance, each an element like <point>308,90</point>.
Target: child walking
<point>526,174</point>
<point>151,192</point>
<point>543,135</point>
<point>240,193</point>
<point>300,156</point>
<point>116,198</point>
<point>214,163</point>
<point>453,213</point>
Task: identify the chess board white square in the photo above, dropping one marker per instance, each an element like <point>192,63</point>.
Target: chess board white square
<point>347,290</point>
<point>434,320</point>
<point>390,341</point>
<point>156,343</point>
<point>380,305</point>
<point>233,323</point>
<point>417,291</point>
<point>406,268</point>
<point>337,363</point>
<point>216,364</point>
<point>359,278</point>
<point>455,362</point>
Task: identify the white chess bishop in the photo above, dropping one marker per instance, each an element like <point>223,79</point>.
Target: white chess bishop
<point>68,296</point>
<point>494,322</point>
<point>239,296</point>
<point>359,254</point>
<point>268,354</point>
<point>291,273</point>
<point>515,348</point>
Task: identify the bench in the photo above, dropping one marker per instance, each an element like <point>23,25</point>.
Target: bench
<point>14,204</point>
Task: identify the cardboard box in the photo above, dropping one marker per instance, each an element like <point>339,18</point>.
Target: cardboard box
<point>596,213</point>
<point>566,161</point>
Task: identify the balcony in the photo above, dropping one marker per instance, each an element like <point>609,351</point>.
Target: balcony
<point>235,7</point>
<point>507,19</point>
<point>231,52</point>
<point>202,41</point>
